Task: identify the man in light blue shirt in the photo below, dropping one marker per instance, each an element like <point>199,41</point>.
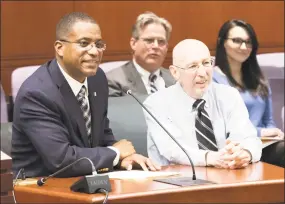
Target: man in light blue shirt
<point>209,120</point>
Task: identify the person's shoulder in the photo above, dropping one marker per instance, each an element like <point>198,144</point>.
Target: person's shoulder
<point>118,70</point>
<point>165,70</point>
<point>38,85</point>
<point>100,72</point>
<point>37,80</point>
<point>219,76</point>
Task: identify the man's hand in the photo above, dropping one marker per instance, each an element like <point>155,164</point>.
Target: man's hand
<point>238,160</point>
<point>235,156</point>
<point>125,148</point>
<point>272,132</point>
<point>215,159</point>
<point>137,159</point>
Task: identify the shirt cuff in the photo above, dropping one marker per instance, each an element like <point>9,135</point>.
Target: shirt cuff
<point>255,149</point>
<point>117,158</point>
<point>250,161</point>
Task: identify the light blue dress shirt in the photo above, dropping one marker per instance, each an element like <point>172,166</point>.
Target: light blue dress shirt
<point>259,109</point>
<point>173,108</point>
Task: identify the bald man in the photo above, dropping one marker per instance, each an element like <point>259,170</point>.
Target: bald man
<point>208,119</point>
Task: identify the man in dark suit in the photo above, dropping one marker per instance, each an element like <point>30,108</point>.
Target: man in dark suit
<point>144,73</point>
<point>60,111</point>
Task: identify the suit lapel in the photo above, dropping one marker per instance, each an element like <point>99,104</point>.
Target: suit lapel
<point>134,78</point>
<point>70,102</point>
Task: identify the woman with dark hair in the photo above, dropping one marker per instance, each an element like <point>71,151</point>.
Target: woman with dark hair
<point>237,66</point>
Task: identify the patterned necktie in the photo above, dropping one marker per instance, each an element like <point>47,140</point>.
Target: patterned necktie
<point>152,79</point>
<point>203,127</point>
<point>85,110</point>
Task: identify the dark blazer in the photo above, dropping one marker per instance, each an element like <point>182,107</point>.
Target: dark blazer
<point>128,76</point>
<point>49,130</point>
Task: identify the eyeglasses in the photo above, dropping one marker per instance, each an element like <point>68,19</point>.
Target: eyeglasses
<point>240,41</point>
<point>150,41</point>
<point>195,67</point>
<point>86,45</point>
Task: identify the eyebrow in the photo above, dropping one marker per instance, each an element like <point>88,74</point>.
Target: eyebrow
<point>88,39</point>
<point>242,38</point>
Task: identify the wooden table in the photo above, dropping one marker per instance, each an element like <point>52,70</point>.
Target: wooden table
<point>259,183</point>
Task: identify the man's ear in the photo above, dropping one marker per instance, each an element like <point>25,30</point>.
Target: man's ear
<point>133,43</point>
<point>59,48</point>
<point>174,72</point>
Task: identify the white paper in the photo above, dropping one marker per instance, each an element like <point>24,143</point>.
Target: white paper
<point>138,174</point>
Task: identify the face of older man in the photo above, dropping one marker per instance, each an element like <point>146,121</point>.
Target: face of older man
<point>192,67</point>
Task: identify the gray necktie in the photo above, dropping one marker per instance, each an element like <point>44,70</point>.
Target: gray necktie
<point>203,127</point>
<point>85,110</point>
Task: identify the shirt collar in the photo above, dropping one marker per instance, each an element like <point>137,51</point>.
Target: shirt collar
<point>192,100</point>
<point>144,73</point>
<point>74,85</point>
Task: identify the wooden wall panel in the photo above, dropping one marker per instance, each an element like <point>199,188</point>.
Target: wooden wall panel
<point>28,27</point>
<point>28,34</point>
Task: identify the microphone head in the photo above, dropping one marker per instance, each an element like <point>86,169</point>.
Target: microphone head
<point>41,181</point>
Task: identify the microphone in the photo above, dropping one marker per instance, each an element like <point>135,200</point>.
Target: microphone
<point>180,181</point>
<point>86,184</point>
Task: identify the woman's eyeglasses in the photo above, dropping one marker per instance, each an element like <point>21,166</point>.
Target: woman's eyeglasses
<point>240,41</point>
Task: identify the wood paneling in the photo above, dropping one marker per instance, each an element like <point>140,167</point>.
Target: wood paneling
<point>28,28</point>
<point>28,33</point>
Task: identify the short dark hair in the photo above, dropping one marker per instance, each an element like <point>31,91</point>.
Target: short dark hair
<point>65,24</point>
<point>252,76</point>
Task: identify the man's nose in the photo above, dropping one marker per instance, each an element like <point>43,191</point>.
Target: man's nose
<point>94,50</point>
<point>155,43</point>
<point>201,71</point>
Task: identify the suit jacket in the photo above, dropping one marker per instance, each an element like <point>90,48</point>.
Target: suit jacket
<point>128,76</point>
<point>49,130</point>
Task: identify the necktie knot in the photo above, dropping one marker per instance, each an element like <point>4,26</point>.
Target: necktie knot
<point>82,92</point>
<point>199,104</point>
<point>152,78</point>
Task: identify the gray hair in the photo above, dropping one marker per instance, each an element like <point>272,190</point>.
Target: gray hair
<point>148,18</point>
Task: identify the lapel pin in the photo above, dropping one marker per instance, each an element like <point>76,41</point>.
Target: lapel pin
<point>95,94</point>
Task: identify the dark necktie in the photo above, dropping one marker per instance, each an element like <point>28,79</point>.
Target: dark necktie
<point>203,127</point>
<point>85,110</point>
<point>152,79</point>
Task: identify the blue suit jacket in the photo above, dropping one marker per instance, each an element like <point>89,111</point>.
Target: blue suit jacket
<point>49,130</point>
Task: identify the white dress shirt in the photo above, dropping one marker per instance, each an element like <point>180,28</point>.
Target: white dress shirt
<point>173,108</point>
<point>76,87</point>
<point>159,82</point>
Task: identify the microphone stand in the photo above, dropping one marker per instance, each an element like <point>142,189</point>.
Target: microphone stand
<point>179,181</point>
